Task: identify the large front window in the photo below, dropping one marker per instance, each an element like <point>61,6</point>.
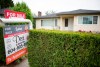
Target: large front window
<point>88,19</point>
<point>49,22</point>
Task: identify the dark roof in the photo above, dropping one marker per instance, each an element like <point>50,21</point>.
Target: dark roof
<point>2,10</point>
<point>79,11</point>
<point>48,16</point>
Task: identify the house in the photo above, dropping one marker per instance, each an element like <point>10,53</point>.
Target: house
<point>84,20</point>
<point>2,12</point>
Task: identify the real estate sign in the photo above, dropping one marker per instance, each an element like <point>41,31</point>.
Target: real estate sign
<point>13,14</point>
<point>15,39</point>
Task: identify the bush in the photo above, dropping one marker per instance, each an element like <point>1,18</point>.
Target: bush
<point>2,48</point>
<point>63,49</point>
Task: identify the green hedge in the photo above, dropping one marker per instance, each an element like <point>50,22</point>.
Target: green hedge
<point>63,49</point>
<point>2,48</point>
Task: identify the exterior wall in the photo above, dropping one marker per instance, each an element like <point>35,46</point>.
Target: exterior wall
<point>60,24</point>
<point>38,23</point>
<point>86,27</point>
<point>70,24</point>
<point>73,25</point>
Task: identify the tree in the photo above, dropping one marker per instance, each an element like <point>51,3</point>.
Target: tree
<point>22,7</point>
<point>6,3</point>
<point>49,12</point>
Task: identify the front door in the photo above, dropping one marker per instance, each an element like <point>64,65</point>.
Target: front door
<point>66,24</point>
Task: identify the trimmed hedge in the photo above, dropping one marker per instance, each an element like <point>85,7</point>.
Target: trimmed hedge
<point>2,48</point>
<point>63,49</point>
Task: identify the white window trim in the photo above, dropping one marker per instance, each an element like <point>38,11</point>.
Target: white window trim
<point>92,19</point>
<point>49,19</point>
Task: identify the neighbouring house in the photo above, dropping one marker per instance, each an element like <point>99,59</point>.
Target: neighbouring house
<point>84,20</point>
<point>2,12</point>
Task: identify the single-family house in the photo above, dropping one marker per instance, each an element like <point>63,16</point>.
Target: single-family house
<point>84,20</point>
<point>2,12</point>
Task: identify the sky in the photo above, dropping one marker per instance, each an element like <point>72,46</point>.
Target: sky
<point>60,5</point>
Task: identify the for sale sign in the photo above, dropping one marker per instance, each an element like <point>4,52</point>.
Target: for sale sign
<point>13,14</point>
<point>15,38</point>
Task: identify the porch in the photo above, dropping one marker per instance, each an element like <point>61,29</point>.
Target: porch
<point>66,23</point>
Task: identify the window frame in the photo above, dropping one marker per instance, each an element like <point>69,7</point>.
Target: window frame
<point>96,18</point>
<point>54,22</point>
<point>87,16</point>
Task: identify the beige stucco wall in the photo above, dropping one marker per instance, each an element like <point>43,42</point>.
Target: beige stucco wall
<point>38,23</point>
<point>86,27</point>
<point>60,24</point>
<point>72,24</point>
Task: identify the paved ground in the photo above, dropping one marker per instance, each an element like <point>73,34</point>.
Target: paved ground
<point>24,63</point>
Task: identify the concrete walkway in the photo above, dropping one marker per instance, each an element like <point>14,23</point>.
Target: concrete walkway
<point>24,63</point>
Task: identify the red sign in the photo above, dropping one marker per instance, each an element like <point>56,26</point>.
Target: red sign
<point>15,56</point>
<point>14,14</point>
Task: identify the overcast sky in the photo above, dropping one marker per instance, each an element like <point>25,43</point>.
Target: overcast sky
<point>60,5</point>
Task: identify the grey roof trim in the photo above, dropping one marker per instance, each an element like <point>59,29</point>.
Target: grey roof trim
<point>80,11</point>
<point>48,16</point>
<point>42,17</point>
<point>74,12</point>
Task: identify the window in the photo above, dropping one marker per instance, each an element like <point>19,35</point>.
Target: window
<point>95,18</point>
<point>49,22</point>
<point>88,19</point>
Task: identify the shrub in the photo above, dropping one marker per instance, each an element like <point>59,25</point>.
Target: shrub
<point>2,48</point>
<point>63,49</point>
<point>22,7</point>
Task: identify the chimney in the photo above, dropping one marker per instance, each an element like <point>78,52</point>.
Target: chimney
<point>39,13</point>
